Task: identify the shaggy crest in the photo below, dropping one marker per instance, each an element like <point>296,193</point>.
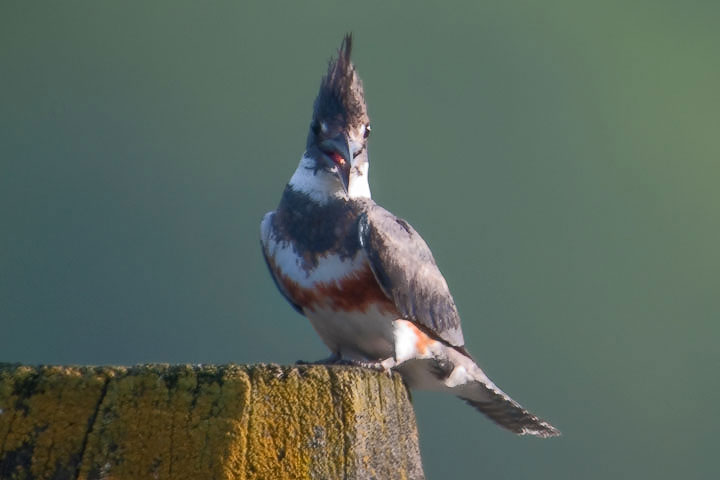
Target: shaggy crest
<point>341,97</point>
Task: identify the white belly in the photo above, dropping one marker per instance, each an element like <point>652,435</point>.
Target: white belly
<point>364,336</point>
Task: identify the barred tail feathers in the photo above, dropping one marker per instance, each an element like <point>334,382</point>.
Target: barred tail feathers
<point>475,388</point>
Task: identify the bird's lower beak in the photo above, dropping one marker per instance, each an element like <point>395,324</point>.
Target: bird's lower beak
<point>338,150</point>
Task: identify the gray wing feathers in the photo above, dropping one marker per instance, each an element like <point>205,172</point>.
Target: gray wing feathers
<point>406,271</point>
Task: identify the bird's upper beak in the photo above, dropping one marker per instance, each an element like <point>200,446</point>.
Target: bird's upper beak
<point>338,150</point>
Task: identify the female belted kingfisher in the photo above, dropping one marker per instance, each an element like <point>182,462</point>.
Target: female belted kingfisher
<point>364,278</point>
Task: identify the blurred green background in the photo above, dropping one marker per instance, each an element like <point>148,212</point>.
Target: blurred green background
<point>560,157</point>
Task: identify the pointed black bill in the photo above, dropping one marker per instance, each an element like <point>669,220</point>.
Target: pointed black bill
<point>340,153</point>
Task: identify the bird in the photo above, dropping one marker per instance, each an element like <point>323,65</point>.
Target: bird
<point>365,279</point>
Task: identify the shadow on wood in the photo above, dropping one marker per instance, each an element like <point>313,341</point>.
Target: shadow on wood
<point>205,422</point>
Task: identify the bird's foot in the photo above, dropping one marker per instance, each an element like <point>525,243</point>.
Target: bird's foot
<point>384,366</point>
<point>333,359</point>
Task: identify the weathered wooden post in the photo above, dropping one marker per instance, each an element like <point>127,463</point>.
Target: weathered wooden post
<point>205,422</point>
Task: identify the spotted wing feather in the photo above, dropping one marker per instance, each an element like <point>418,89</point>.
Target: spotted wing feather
<point>406,271</point>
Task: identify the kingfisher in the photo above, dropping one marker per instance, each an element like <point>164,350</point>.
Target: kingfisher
<point>365,279</point>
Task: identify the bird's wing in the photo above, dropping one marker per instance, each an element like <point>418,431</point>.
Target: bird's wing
<point>406,271</point>
<point>265,233</point>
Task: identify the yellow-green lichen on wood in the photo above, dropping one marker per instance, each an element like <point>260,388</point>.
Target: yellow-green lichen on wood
<point>205,422</point>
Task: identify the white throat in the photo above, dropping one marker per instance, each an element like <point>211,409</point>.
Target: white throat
<point>358,186</point>
<point>322,186</point>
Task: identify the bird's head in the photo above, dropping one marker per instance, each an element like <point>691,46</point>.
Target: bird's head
<point>337,141</point>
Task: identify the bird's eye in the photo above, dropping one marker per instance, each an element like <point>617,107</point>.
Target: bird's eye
<point>367,131</point>
<point>315,127</point>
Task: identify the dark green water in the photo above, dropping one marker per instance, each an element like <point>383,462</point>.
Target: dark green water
<point>561,159</point>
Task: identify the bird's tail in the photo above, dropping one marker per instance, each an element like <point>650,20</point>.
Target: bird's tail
<point>478,390</point>
<point>453,370</point>
<point>505,411</point>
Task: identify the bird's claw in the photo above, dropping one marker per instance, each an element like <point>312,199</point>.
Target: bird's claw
<point>384,366</point>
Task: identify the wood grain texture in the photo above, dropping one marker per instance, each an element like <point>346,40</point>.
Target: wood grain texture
<point>205,422</point>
